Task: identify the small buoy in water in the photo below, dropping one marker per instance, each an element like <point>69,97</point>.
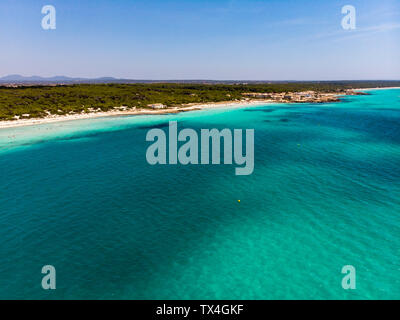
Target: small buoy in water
<point>239,201</point>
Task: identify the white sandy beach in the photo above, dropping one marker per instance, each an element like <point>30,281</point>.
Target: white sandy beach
<point>69,117</point>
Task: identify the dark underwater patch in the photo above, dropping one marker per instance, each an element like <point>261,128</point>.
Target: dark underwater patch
<point>156,126</point>
<point>387,109</point>
<point>259,110</point>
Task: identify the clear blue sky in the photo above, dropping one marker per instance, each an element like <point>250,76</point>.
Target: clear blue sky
<point>193,39</point>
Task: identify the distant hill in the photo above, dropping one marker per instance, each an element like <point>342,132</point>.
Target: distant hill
<point>37,80</point>
<point>19,80</point>
<point>16,78</point>
<point>33,80</point>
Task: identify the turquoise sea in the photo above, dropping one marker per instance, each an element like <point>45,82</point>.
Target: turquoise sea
<point>325,193</point>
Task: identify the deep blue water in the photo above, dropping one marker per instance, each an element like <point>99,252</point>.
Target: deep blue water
<point>325,193</point>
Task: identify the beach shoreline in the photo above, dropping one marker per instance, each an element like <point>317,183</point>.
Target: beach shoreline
<point>137,112</point>
<point>114,113</point>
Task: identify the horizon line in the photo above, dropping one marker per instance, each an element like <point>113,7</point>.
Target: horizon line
<point>19,77</point>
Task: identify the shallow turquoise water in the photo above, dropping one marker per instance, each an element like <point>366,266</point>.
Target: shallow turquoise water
<point>325,193</point>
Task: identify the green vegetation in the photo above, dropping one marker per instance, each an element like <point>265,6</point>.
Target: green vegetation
<point>38,101</point>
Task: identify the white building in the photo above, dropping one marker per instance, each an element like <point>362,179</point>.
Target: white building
<point>157,106</point>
